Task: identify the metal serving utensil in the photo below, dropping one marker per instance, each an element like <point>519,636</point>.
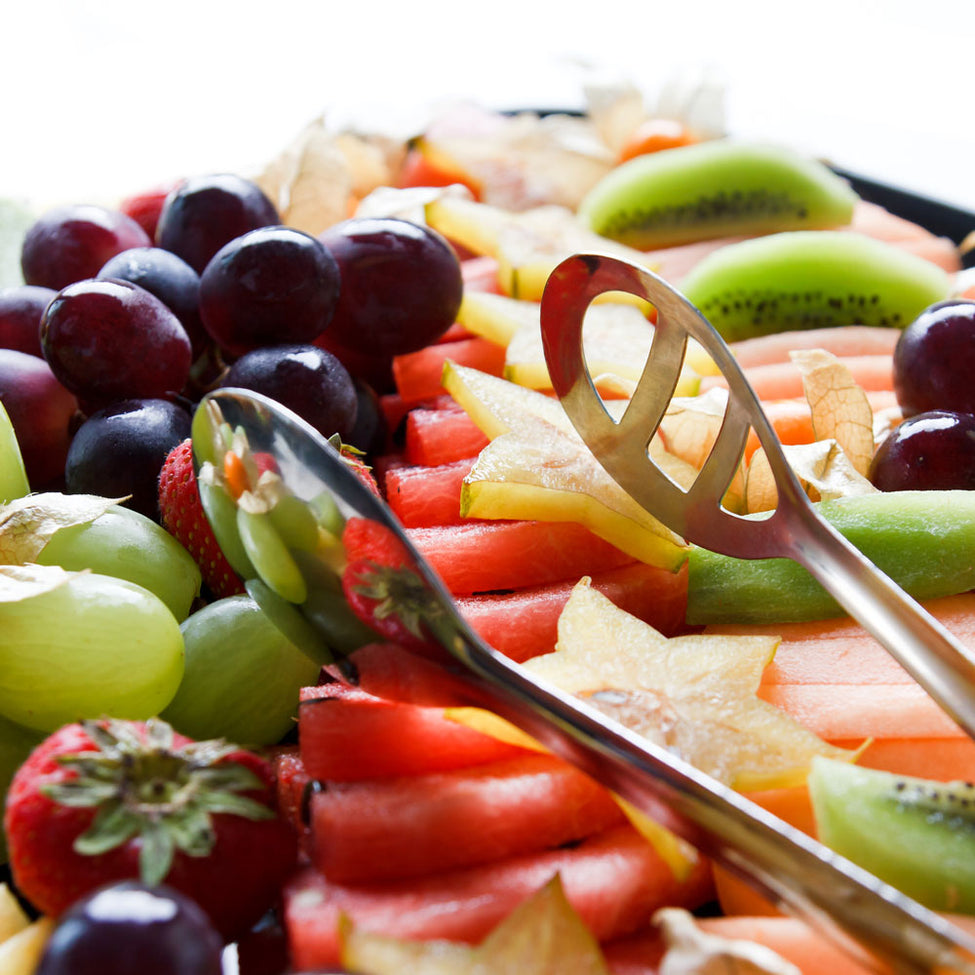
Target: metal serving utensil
<point>872,920</point>
<point>942,665</point>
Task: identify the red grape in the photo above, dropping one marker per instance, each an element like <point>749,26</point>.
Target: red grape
<point>274,285</point>
<point>70,243</point>
<point>41,411</point>
<point>306,379</point>
<point>169,278</point>
<point>934,360</point>
<point>21,311</point>
<point>401,285</point>
<point>202,214</point>
<point>120,450</point>
<point>933,451</point>
<point>131,929</point>
<point>112,340</point>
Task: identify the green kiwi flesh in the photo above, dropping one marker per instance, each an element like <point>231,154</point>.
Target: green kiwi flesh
<point>916,834</point>
<point>811,279</point>
<point>716,188</point>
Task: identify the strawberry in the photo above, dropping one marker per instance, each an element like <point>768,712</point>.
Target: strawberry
<point>100,802</point>
<point>381,584</point>
<point>144,208</point>
<point>184,518</point>
<point>353,458</point>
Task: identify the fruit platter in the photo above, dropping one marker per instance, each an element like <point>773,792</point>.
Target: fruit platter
<point>213,758</point>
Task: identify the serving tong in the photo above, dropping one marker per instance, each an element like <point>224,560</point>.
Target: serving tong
<point>874,922</point>
<point>939,662</point>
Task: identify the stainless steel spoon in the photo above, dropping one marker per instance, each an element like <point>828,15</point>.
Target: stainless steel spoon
<point>873,921</point>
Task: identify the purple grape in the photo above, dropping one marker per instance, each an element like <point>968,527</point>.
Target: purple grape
<point>401,285</point>
<point>112,340</point>
<point>42,412</point>
<point>21,311</point>
<point>933,451</point>
<point>119,451</point>
<point>71,243</point>
<point>169,278</point>
<point>934,360</point>
<point>206,212</point>
<point>306,379</point>
<point>272,286</point>
<point>371,432</point>
<point>131,929</point>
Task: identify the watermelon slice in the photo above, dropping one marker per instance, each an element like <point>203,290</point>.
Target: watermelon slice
<point>347,735</point>
<point>415,825</point>
<point>615,880</point>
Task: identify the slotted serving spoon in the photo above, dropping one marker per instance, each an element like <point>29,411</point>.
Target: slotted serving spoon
<point>942,665</point>
<point>870,919</point>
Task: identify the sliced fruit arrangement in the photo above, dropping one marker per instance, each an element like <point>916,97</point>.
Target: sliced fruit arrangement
<point>410,337</point>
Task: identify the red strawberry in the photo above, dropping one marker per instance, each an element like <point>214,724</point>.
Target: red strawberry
<point>353,458</point>
<point>105,801</point>
<point>144,208</point>
<point>184,518</point>
<point>381,584</point>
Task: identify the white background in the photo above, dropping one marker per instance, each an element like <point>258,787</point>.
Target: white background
<point>102,99</point>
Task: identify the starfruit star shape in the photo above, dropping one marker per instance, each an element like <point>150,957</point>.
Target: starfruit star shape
<point>695,695</point>
<point>537,467</point>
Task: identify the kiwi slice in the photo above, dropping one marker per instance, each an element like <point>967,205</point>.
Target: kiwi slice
<point>918,835</point>
<point>716,188</point>
<point>812,279</point>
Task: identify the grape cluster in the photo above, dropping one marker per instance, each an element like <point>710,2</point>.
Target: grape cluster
<point>127,318</point>
<point>933,448</point>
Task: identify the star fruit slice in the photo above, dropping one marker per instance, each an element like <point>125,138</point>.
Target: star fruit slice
<point>694,695</point>
<point>527,244</point>
<point>537,468</point>
<point>616,339</point>
<point>543,935</point>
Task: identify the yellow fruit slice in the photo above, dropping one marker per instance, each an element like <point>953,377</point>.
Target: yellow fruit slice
<point>537,468</point>
<point>12,916</point>
<point>694,695</point>
<point>616,341</point>
<point>543,935</point>
<point>21,953</point>
<point>527,244</point>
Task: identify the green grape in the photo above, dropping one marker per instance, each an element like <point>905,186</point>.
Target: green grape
<point>290,622</point>
<point>327,610</point>
<point>221,512</point>
<point>93,646</point>
<point>128,545</point>
<point>13,477</point>
<point>327,513</point>
<point>295,523</point>
<point>242,675</point>
<point>16,743</point>
<point>270,556</point>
